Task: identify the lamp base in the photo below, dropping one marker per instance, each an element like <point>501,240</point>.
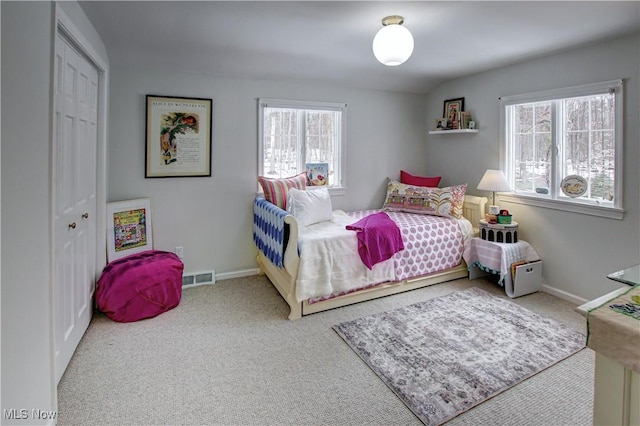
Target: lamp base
<point>494,209</point>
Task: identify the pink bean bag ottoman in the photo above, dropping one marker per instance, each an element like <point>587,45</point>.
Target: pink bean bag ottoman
<point>140,286</point>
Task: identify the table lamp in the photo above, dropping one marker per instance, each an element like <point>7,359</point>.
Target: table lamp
<point>494,181</point>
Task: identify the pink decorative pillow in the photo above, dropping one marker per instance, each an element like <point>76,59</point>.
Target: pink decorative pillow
<point>445,202</point>
<point>409,179</point>
<point>275,190</point>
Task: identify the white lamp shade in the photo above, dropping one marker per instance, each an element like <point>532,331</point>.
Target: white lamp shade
<point>494,180</point>
<point>393,45</point>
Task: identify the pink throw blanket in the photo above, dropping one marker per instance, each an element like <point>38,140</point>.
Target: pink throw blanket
<point>379,238</point>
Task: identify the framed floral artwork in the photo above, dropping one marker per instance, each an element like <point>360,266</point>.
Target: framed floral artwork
<point>178,137</point>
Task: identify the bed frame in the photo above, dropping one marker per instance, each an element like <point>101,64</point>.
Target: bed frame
<point>284,279</point>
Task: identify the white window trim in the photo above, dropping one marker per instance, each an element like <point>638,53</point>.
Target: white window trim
<point>298,104</point>
<point>571,205</point>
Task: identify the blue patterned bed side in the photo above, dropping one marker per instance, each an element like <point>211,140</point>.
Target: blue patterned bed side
<point>269,230</point>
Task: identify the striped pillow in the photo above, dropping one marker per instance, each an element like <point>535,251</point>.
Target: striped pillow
<point>275,190</point>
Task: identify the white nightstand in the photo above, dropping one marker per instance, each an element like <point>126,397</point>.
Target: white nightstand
<point>497,258</point>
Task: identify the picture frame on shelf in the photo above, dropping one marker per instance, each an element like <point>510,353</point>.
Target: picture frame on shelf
<point>440,124</point>
<point>129,228</point>
<point>451,111</point>
<point>178,137</point>
<point>465,120</point>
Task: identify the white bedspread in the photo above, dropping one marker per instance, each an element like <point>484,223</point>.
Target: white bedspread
<point>329,260</point>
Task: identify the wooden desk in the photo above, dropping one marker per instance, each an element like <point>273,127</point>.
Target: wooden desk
<point>617,379</point>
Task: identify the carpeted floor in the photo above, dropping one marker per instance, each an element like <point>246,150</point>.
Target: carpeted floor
<point>227,355</point>
<point>448,354</point>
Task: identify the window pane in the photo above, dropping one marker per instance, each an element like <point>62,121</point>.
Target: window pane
<point>321,140</point>
<point>524,173</point>
<point>577,113</point>
<point>602,170</point>
<point>532,146</point>
<point>543,117</point>
<point>543,161</point>
<point>294,137</point>
<point>281,146</point>
<point>589,148</point>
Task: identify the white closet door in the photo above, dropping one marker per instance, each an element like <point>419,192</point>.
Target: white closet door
<point>74,198</point>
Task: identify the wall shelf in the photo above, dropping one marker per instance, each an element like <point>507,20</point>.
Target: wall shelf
<point>449,132</point>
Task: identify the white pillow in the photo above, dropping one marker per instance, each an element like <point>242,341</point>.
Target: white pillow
<point>309,206</point>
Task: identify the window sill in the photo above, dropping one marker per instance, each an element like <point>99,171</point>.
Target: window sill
<point>332,191</point>
<point>568,206</point>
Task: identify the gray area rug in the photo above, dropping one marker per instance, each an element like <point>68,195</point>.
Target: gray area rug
<point>449,354</point>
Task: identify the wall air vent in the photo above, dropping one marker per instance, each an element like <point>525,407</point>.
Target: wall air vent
<point>198,278</point>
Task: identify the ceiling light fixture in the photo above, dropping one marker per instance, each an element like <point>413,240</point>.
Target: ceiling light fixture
<point>393,44</point>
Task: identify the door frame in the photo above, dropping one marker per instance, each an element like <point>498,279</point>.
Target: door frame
<point>64,26</point>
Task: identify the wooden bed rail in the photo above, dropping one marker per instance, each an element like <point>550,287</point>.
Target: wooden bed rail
<point>291,257</point>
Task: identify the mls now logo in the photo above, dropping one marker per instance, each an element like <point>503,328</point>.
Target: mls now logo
<point>24,414</point>
<point>16,414</point>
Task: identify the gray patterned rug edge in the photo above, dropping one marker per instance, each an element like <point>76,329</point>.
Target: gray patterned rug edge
<point>446,355</point>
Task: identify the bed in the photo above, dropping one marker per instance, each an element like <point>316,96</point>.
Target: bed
<point>282,244</point>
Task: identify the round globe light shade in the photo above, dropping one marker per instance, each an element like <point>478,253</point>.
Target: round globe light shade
<point>393,45</point>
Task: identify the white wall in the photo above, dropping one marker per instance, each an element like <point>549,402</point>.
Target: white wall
<point>211,217</point>
<point>28,378</point>
<point>578,251</point>
<point>27,374</point>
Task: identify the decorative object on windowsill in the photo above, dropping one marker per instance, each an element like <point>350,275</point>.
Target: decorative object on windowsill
<point>494,181</point>
<point>317,174</point>
<point>393,44</point>
<point>574,186</point>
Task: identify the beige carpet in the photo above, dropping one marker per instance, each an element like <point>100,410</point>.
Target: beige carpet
<point>227,355</point>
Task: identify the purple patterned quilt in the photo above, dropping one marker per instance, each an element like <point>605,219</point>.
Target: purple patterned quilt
<point>431,243</point>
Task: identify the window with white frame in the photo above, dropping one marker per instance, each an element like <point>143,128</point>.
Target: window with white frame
<point>295,136</point>
<point>562,148</point>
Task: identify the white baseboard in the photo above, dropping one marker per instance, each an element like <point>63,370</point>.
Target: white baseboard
<point>238,274</point>
<point>564,295</point>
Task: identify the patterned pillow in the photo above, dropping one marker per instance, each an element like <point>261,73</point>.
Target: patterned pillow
<point>410,179</point>
<point>275,190</point>
<point>445,202</point>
